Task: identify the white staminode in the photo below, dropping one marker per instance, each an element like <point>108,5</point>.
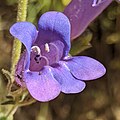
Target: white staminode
<point>36,49</point>
<point>96,2</point>
<point>47,49</point>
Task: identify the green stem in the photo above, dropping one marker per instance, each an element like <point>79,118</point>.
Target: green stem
<point>21,16</point>
<point>12,111</point>
<point>26,103</point>
<point>43,111</point>
<point>22,10</point>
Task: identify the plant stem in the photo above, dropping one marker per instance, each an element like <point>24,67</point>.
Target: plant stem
<point>43,111</point>
<point>21,16</point>
<point>16,51</point>
<point>12,111</point>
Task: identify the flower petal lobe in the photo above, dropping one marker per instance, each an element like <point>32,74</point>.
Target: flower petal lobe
<point>85,68</point>
<point>42,86</point>
<point>68,83</point>
<point>26,32</point>
<point>54,26</point>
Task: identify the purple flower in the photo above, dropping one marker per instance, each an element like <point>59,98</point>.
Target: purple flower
<point>45,68</point>
<point>82,12</point>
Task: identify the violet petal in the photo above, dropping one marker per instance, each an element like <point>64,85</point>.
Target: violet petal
<point>60,47</point>
<point>19,70</point>
<point>85,68</point>
<point>26,32</point>
<point>42,86</point>
<point>68,83</point>
<point>54,26</point>
<point>82,12</point>
<point>52,54</point>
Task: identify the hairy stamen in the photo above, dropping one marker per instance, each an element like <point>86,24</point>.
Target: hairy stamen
<point>36,49</point>
<point>47,49</point>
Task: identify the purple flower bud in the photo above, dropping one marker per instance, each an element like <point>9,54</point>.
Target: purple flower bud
<point>82,12</point>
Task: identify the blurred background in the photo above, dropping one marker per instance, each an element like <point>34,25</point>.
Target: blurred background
<point>101,40</point>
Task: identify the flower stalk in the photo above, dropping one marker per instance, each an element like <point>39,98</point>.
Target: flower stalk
<point>11,112</point>
<point>44,108</point>
<point>21,16</point>
<point>16,51</point>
